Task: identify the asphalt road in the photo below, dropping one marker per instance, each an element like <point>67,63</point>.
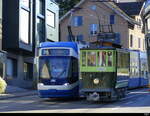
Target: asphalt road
<point>136,101</point>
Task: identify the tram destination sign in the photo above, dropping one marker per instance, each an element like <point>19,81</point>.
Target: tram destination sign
<point>55,52</point>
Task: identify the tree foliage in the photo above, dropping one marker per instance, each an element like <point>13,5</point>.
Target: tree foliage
<point>66,5</point>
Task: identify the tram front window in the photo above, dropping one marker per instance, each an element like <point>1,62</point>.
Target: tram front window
<point>54,67</point>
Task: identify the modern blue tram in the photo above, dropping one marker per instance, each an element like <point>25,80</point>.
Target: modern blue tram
<point>139,76</point>
<point>58,69</point>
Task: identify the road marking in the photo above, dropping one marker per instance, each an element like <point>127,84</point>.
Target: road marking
<point>129,103</point>
<point>138,92</point>
<point>130,97</point>
<point>116,108</point>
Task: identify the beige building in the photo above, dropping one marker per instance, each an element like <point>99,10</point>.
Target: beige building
<point>86,20</point>
<point>136,37</point>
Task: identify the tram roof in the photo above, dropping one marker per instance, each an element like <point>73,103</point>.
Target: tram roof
<point>105,48</point>
<point>60,44</point>
<point>99,48</point>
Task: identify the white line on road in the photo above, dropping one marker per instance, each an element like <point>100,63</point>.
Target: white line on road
<point>130,97</point>
<point>116,108</point>
<point>129,103</point>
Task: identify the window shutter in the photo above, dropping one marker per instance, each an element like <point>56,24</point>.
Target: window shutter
<point>77,21</point>
<point>80,21</point>
<point>112,19</point>
<point>118,38</point>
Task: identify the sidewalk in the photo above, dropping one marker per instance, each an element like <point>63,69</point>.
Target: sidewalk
<point>13,92</point>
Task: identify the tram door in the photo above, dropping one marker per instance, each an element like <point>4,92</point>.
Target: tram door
<point>147,43</point>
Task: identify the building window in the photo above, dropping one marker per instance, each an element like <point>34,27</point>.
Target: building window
<point>140,22</point>
<point>112,19</point>
<point>77,21</point>
<point>79,37</point>
<point>144,44</point>
<point>25,3</point>
<point>40,22</point>
<point>93,7</point>
<point>28,71</point>
<point>24,26</point>
<point>93,29</point>
<point>148,24</point>
<point>131,40</point>
<point>41,29</point>
<point>139,43</point>
<point>41,7</point>
<point>25,21</point>
<point>50,16</point>
<point>11,68</point>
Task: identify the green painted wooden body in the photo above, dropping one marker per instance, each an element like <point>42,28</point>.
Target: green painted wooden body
<point>107,74</point>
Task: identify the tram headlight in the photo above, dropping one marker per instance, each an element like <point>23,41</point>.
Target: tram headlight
<point>66,84</point>
<point>96,81</point>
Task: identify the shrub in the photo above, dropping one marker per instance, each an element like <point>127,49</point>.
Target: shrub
<point>3,86</point>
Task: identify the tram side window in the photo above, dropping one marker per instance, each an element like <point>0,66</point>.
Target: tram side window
<point>131,68</point>
<point>110,58</point>
<point>123,60</point>
<point>134,70</point>
<point>143,69</point>
<point>83,59</point>
<point>91,58</point>
<point>102,58</point>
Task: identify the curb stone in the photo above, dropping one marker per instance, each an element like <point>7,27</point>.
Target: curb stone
<point>8,96</point>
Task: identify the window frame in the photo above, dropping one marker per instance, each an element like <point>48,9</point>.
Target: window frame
<point>41,14</point>
<point>112,19</point>
<point>14,67</point>
<point>131,40</point>
<point>43,28</point>
<point>29,28</point>
<point>27,9</point>
<point>148,24</point>
<point>52,26</point>
<point>28,76</point>
<point>139,42</point>
<point>77,21</point>
<point>93,29</point>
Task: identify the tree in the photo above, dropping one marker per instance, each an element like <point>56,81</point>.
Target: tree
<point>66,5</point>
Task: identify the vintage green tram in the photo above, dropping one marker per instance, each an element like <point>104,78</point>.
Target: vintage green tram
<point>104,73</point>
